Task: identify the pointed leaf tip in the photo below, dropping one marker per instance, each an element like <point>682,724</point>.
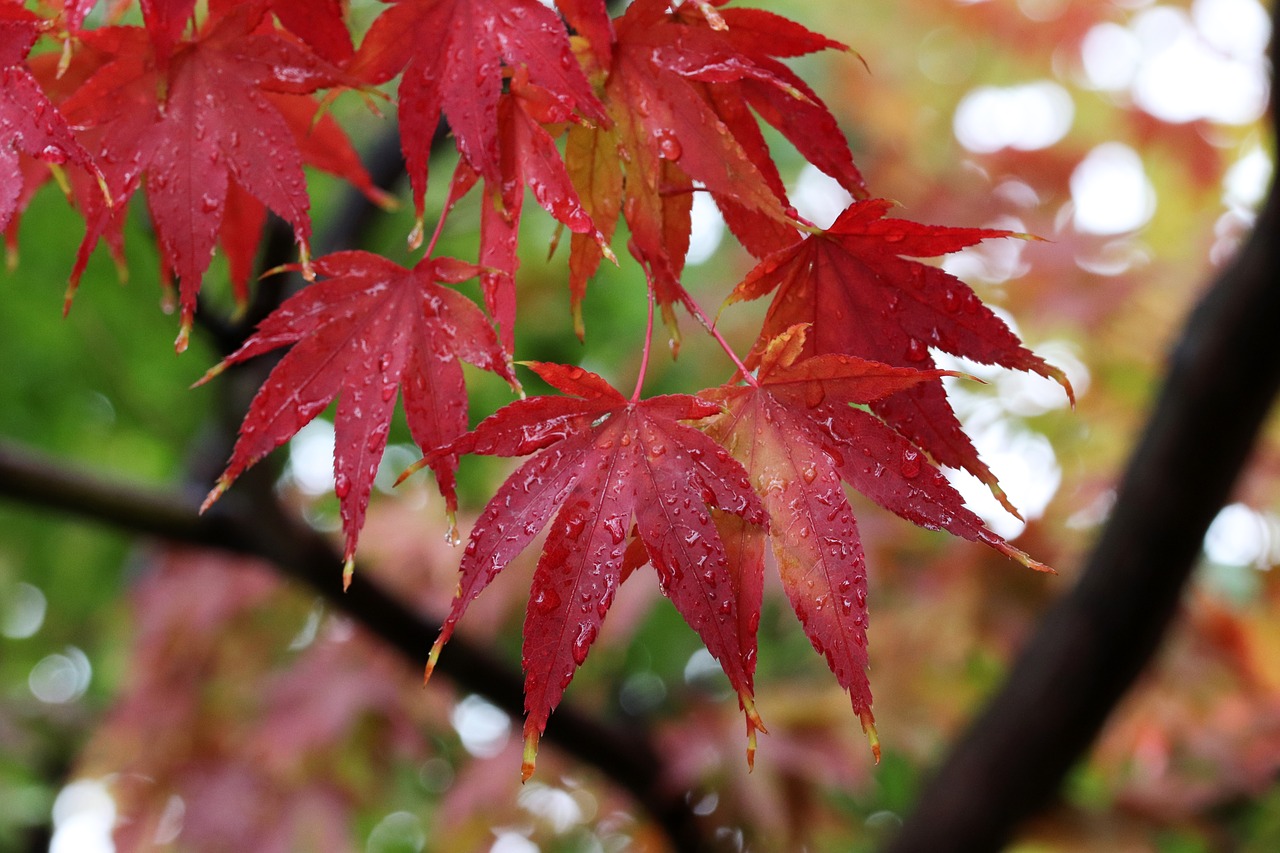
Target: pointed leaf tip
<point>184,336</point>
<point>304,262</point>
<point>869,728</point>
<point>432,657</point>
<point>216,370</point>
<point>216,492</point>
<point>348,570</point>
<point>414,240</point>
<point>408,472</point>
<point>530,757</point>
<point>1016,553</point>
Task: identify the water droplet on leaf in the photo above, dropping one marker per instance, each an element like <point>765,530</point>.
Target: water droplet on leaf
<point>910,463</point>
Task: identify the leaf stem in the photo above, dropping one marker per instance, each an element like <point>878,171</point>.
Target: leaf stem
<point>648,345</point>
<point>435,235</point>
<point>701,316</point>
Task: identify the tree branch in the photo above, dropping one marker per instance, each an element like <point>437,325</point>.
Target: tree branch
<point>1091,646</point>
<point>245,523</point>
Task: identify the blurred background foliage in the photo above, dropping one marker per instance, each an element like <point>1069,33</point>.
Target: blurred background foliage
<point>163,691</point>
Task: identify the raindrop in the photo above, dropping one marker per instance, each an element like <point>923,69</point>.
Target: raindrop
<point>574,526</point>
<point>53,154</point>
<point>916,350</point>
<point>616,526</point>
<point>582,642</point>
<point>546,600</point>
<point>910,463</point>
<point>668,145</point>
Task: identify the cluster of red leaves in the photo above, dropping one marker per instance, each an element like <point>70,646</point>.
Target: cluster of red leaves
<point>219,115</point>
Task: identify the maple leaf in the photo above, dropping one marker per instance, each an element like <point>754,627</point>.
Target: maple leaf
<point>29,122</point>
<point>370,327</point>
<point>798,437</point>
<point>677,90</point>
<point>605,461</point>
<point>323,144</point>
<point>452,54</point>
<point>527,156</point>
<point>319,23</point>
<point>859,292</point>
<point>193,125</point>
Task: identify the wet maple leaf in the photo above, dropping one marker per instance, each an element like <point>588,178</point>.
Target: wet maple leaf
<point>370,327</point>
<point>323,144</point>
<point>192,126</point>
<point>319,23</point>
<point>452,54</point>
<point>527,157</point>
<point>677,89</point>
<point>799,438</point>
<point>605,461</point>
<point>860,294</point>
<point>29,122</point>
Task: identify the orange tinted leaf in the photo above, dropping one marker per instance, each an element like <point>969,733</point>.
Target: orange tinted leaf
<point>677,93</point>
<point>452,54</point>
<point>798,437</point>
<point>860,293</point>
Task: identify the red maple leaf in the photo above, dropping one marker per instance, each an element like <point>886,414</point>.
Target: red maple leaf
<point>527,156</point>
<point>858,291</point>
<point>29,122</point>
<point>452,54</point>
<point>193,125</point>
<point>677,88</point>
<point>604,461</point>
<point>371,327</point>
<point>319,23</point>
<point>323,144</point>
<point>798,438</point>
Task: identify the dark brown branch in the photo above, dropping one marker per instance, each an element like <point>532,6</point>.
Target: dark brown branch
<point>1091,646</point>
<point>262,529</point>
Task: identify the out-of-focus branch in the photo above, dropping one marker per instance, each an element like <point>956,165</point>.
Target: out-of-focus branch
<point>1090,647</point>
<point>245,522</point>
